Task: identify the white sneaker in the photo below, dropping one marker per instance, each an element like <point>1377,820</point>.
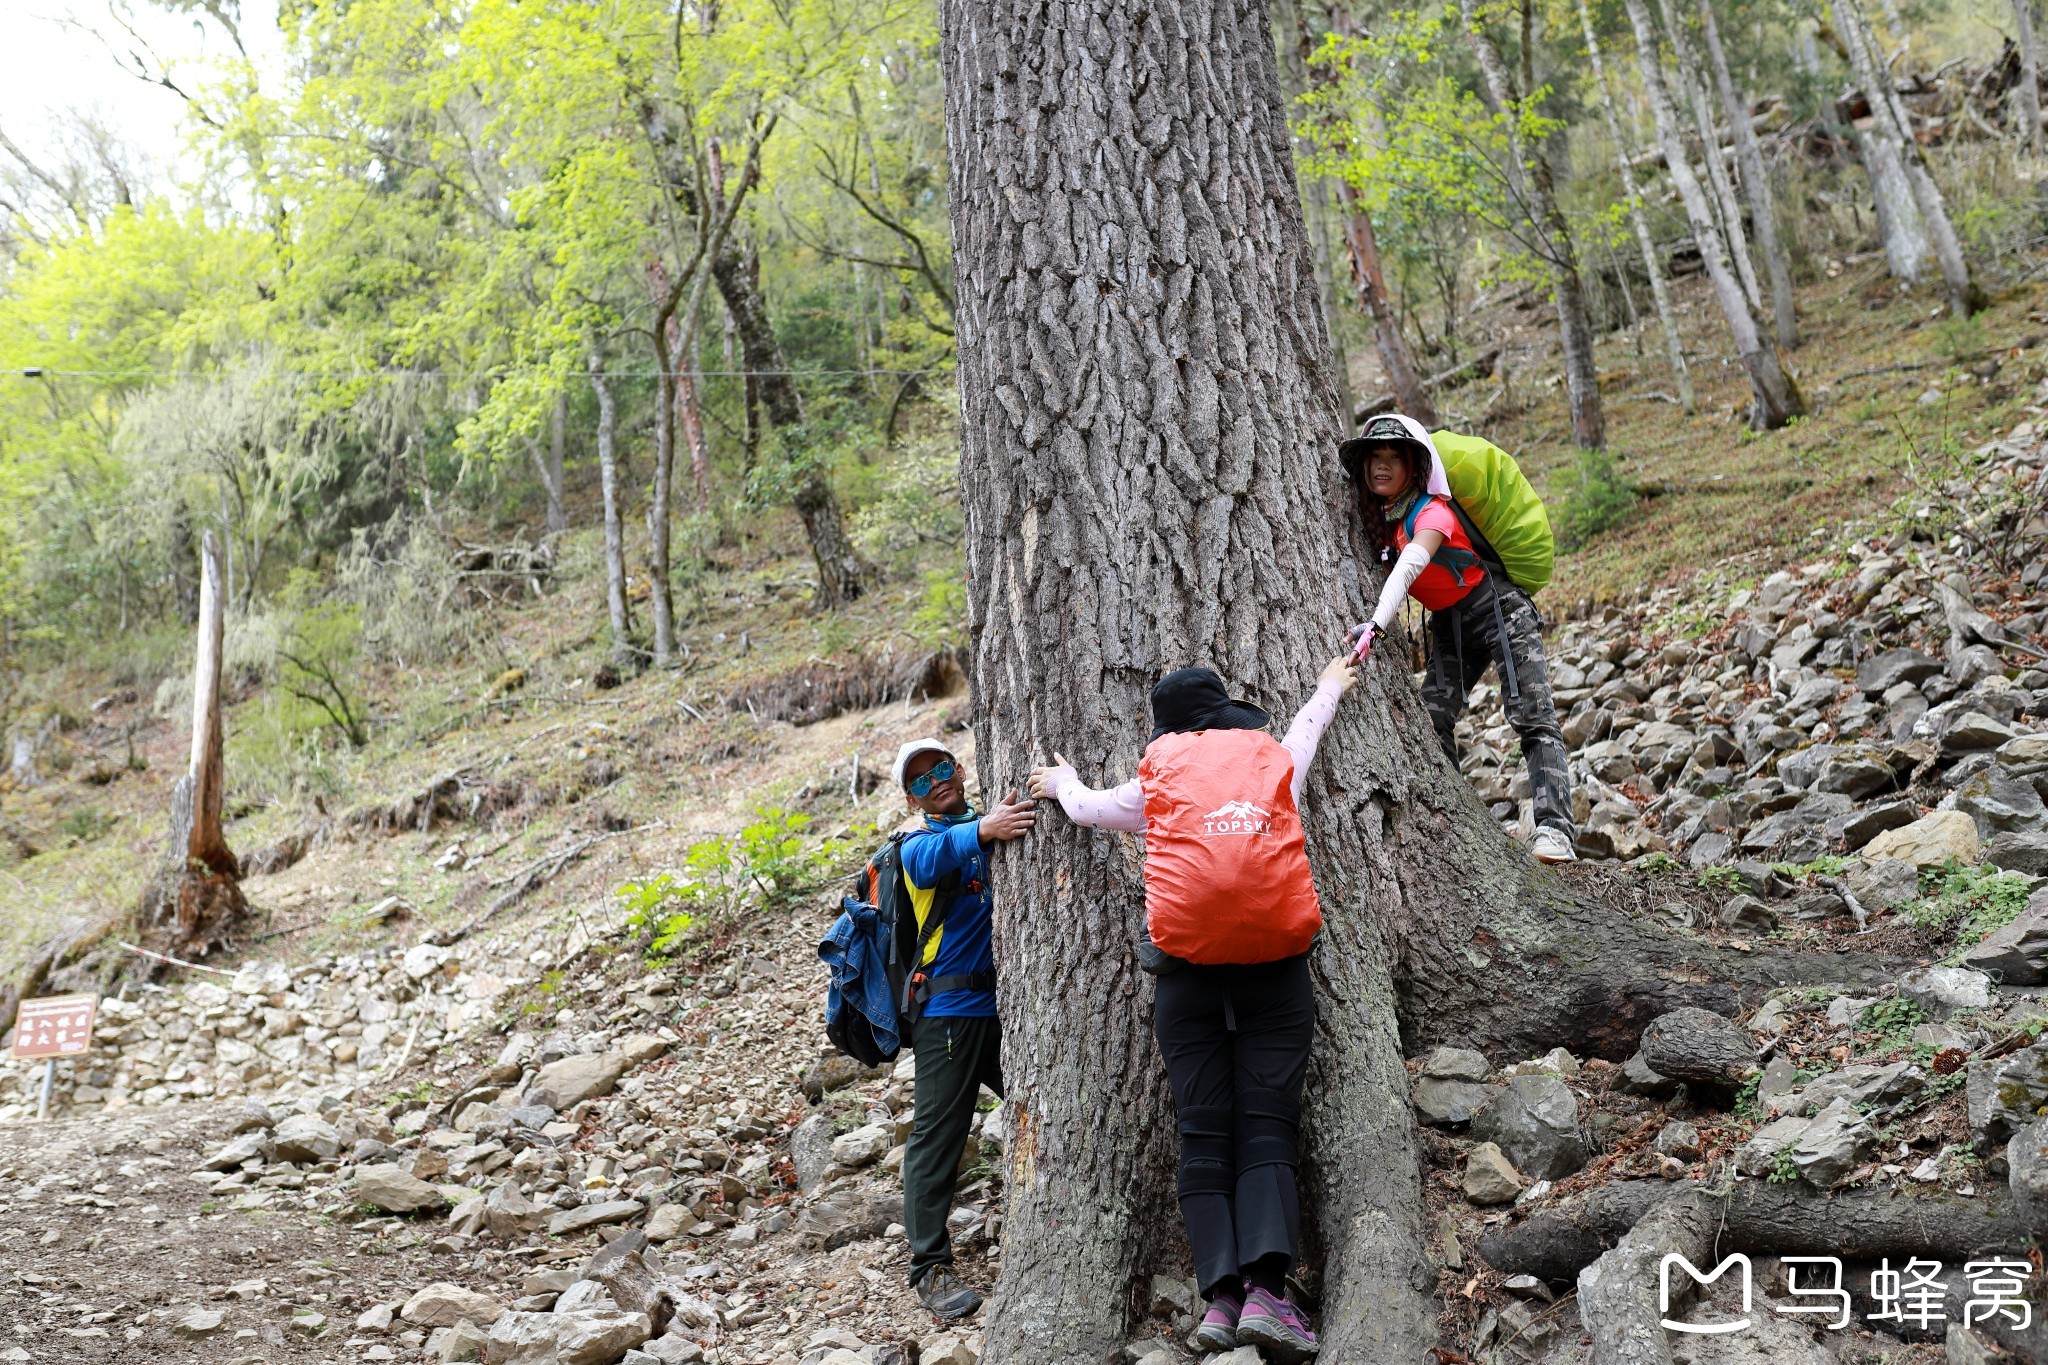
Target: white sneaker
<point>1552,846</point>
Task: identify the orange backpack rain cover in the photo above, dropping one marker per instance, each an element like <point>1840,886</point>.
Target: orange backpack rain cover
<point>1226,867</point>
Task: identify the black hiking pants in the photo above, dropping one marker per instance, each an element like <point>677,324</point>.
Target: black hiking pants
<point>955,1058</point>
<point>1494,623</point>
<point>1236,1043</point>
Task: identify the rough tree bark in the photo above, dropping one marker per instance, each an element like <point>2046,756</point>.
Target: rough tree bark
<point>1756,183</point>
<point>194,902</point>
<point>1777,398</point>
<point>842,576</point>
<point>1530,169</point>
<point>1660,287</point>
<point>614,528</point>
<point>1899,228</point>
<point>1618,1294</point>
<point>1148,424</point>
<point>1892,123</point>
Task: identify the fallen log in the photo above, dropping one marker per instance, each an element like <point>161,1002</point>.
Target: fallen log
<point>1619,1292</point>
<point>1760,1217</point>
<point>1478,367</point>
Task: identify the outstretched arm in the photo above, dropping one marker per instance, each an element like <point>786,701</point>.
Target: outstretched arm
<point>1402,576</point>
<point>1117,808</point>
<point>1309,723</point>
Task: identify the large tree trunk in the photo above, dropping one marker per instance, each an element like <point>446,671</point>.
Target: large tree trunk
<point>548,464</point>
<point>1899,228</point>
<point>1777,398</point>
<point>1147,433</point>
<point>1653,266</point>
<point>194,901</point>
<point>1530,168</point>
<point>1756,183</point>
<point>842,576</point>
<point>614,528</point>
<point>1890,119</point>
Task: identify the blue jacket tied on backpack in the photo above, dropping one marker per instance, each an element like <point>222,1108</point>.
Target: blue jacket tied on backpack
<point>852,948</point>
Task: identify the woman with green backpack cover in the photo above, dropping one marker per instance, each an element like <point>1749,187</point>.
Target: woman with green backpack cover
<point>1435,552</point>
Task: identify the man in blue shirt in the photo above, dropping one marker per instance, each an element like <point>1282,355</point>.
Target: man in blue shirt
<point>955,1034</point>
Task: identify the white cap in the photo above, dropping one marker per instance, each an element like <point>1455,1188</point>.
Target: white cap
<point>913,749</point>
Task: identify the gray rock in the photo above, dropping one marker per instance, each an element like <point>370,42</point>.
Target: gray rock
<point>863,1146</point>
<point>1780,1078</point>
<point>1857,1086</point>
<point>583,1296</point>
<point>1799,770</point>
<point>1636,1077</point>
<point>1490,1178</point>
<point>1942,991</point>
<point>1857,773</point>
<point>593,1215</point>
<point>1443,1103</point>
<point>810,1151</point>
<point>1693,1044</point>
<point>1457,1064</point>
<point>444,1305</point>
<point>1971,732</point>
<point>464,1341</point>
<point>1880,672</point>
<point>847,1215</point>
<point>395,1190</point>
<point>1679,1139</point>
<point>1884,883</point>
<point>511,1214</point>
<point>1709,849</point>
<point>304,1138</point>
<point>1865,823</point>
<point>1534,1120</point>
<point>2020,851</point>
<point>828,1074</point>
<point>1759,1155</point>
<point>584,1076</point>
<point>1832,1145</point>
<point>2017,954</point>
<point>2007,1093</point>
<point>247,1147</point>
<point>2000,802</point>
<point>523,1339</point>
<point>1746,915</point>
<point>674,1349</point>
<point>196,1322</point>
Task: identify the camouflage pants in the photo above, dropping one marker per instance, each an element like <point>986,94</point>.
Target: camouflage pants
<point>1462,642</point>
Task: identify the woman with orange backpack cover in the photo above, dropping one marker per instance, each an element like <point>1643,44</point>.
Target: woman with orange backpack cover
<point>1230,912</point>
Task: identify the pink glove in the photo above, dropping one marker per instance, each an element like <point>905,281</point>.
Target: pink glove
<point>1364,635</point>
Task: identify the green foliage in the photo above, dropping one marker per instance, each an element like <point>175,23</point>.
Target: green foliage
<point>654,908</point>
<point>84,826</point>
<point>1827,865</point>
<point>1725,881</point>
<point>1783,1171</point>
<point>940,621</point>
<point>1597,497</point>
<point>1974,901</point>
<point>1890,1022</point>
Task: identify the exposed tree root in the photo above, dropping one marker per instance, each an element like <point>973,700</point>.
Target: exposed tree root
<point>1619,1299</point>
<point>819,691</point>
<point>1760,1217</point>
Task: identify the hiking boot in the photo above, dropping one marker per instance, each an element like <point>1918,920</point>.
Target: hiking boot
<point>1277,1328</point>
<point>1552,845</point>
<point>946,1294</point>
<point>1218,1331</point>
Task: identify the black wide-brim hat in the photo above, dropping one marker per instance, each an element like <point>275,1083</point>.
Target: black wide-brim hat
<point>1195,699</point>
<point>1378,432</point>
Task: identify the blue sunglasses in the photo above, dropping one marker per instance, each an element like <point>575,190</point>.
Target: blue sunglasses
<point>941,771</point>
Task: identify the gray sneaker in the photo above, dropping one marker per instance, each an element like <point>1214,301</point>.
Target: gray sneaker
<point>1277,1328</point>
<point>1552,846</point>
<point>946,1294</point>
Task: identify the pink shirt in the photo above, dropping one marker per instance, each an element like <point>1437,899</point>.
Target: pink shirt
<point>1124,807</point>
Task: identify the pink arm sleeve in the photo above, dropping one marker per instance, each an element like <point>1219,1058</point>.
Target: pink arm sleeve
<point>1307,731</point>
<point>1118,808</point>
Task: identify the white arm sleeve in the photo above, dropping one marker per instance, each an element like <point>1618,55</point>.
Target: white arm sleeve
<point>1400,578</point>
<point>1118,808</point>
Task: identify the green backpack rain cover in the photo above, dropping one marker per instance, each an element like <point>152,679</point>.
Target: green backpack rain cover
<point>1492,490</point>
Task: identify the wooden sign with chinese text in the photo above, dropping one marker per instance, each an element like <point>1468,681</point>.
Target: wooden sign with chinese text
<point>54,1026</point>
